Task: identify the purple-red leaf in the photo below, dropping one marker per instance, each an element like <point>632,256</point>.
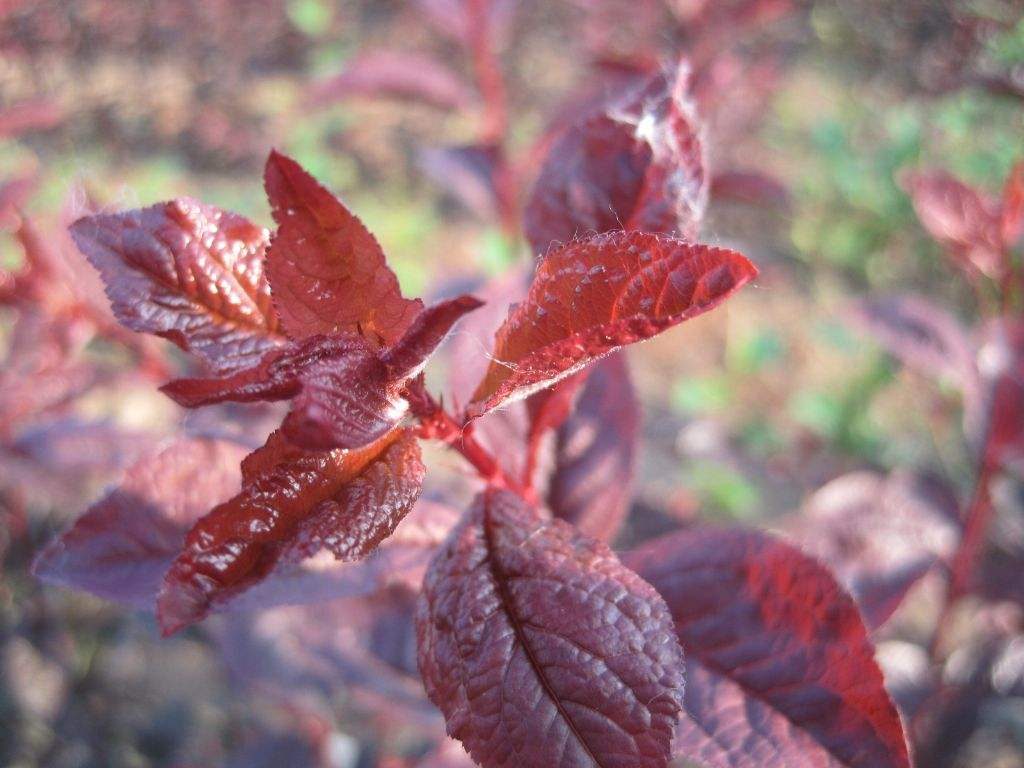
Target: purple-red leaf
<point>345,393</point>
<point>638,164</point>
<point>880,535</point>
<point>410,353</point>
<point>595,453</point>
<point>542,650</point>
<point>285,491</point>
<point>327,271</point>
<point>190,273</point>
<point>779,669</point>
<point>959,218</point>
<point>593,296</point>
<point>396,75</point>
<point>121,547</point>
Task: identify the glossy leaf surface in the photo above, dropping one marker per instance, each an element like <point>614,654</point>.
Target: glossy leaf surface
<point>240,541</point>
<point>637,164</point>
<point>187,272</point>
<point>779,669</point>
<point>344,392</point>
<point>327,271</point>
<point>541,649</point>
<point>593,296</point>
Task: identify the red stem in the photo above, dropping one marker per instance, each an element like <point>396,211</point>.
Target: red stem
<point>436,423</point>
<point>976,525</point>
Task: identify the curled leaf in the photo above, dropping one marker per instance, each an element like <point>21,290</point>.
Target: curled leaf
<point>344,392</point>
<point>240,541</point>
<point>541,649</point>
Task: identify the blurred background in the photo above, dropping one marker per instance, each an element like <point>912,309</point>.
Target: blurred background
<point>793,403</point>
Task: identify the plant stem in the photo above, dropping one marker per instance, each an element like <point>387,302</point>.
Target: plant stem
<point>436,423</point>
<point>976,525</point>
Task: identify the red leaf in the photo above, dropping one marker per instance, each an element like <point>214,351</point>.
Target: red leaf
<point>541,649</point>
<point>395,75</point>
<point>327,271</point>
<point>637,165</point>
<point>959,218</point>
<point>345,394</point>
<point>410,353</point>
<point>340,390</point>
<point>595,453</point>
<point>879,535</point>
<point>240,541</point>
<point>780,671</point>
<point>121,547</point>
<point>190,273</point>
<point>1013,207</point>
<point>593,296</point>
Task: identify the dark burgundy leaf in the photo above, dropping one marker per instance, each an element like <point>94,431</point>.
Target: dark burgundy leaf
<point>345,393</point>
<point>959,218</point>
<point>549,408</point>
<point>396,75</point>
<point>240,541</point>
<point>780,671</point>
<point>879,535</point>
<point>410,353</point>
<point>595,453</point>
<point>190,273</point>
<point>593,296</point>
<point>121,547</point>
<point>541,649</point>
<point>638,164</point>
<point>328,272</point>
